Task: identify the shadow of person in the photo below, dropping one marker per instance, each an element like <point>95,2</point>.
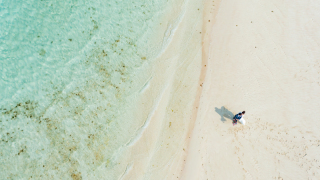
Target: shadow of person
<point>224,113</point>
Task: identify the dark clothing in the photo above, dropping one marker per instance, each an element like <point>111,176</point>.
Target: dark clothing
<point>238,116</point>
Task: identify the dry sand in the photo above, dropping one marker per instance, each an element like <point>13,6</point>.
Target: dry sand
<point>259,56</point>
<point>263,57</point>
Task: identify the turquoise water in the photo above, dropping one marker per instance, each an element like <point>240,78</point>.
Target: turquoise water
<point>69,75</point>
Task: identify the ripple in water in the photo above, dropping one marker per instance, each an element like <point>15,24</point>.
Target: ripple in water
<point>68,81</point>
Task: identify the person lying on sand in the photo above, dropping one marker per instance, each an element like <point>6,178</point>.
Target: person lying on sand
<point>238,117</point>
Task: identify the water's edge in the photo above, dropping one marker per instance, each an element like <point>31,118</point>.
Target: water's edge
<point>71,73</point>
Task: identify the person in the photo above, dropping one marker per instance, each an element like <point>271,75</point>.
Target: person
<point>238,117</point>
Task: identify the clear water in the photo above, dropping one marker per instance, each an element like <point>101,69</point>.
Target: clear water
<point>70,72</point>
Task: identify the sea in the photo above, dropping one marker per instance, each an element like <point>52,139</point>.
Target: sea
<point>70,75</point>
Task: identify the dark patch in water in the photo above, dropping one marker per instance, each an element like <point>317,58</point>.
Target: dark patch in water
<point>42,52</point>
<point>76,176</point>
<point>95,103</point>
<point>25,109</point>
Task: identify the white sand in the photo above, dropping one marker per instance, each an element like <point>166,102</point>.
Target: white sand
<point>259,56</point>
<point>263,58</point>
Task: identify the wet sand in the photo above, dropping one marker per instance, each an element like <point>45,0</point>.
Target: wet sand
<point>225,57</point>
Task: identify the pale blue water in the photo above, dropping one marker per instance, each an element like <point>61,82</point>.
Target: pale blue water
<point>68,76</point>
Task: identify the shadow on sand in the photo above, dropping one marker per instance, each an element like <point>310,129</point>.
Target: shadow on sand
<point>224,113</point>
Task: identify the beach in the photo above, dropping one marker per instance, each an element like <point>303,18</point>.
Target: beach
<point>148,90</point>
<point>260,57</point>
<point>263,58</point>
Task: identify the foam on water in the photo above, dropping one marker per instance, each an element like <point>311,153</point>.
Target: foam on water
<point>70,73</point>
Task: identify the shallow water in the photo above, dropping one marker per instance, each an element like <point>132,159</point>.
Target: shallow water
<point>70,74</point>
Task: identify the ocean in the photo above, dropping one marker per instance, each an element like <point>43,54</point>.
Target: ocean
<point>70,75</point>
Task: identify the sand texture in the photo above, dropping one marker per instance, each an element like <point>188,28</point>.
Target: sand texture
<point>147,90</point>
<point>263,57</point>
<point>225,57</point>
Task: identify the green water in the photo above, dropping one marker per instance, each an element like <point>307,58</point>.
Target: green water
<point>69,76</point>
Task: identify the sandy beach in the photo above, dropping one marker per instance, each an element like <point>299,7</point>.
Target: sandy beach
<point>261,57</point>
<point>148,89</point>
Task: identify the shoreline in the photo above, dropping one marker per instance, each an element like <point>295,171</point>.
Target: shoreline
<point>148,90</point>
<point>209,12</point>
<point>175,75</point>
